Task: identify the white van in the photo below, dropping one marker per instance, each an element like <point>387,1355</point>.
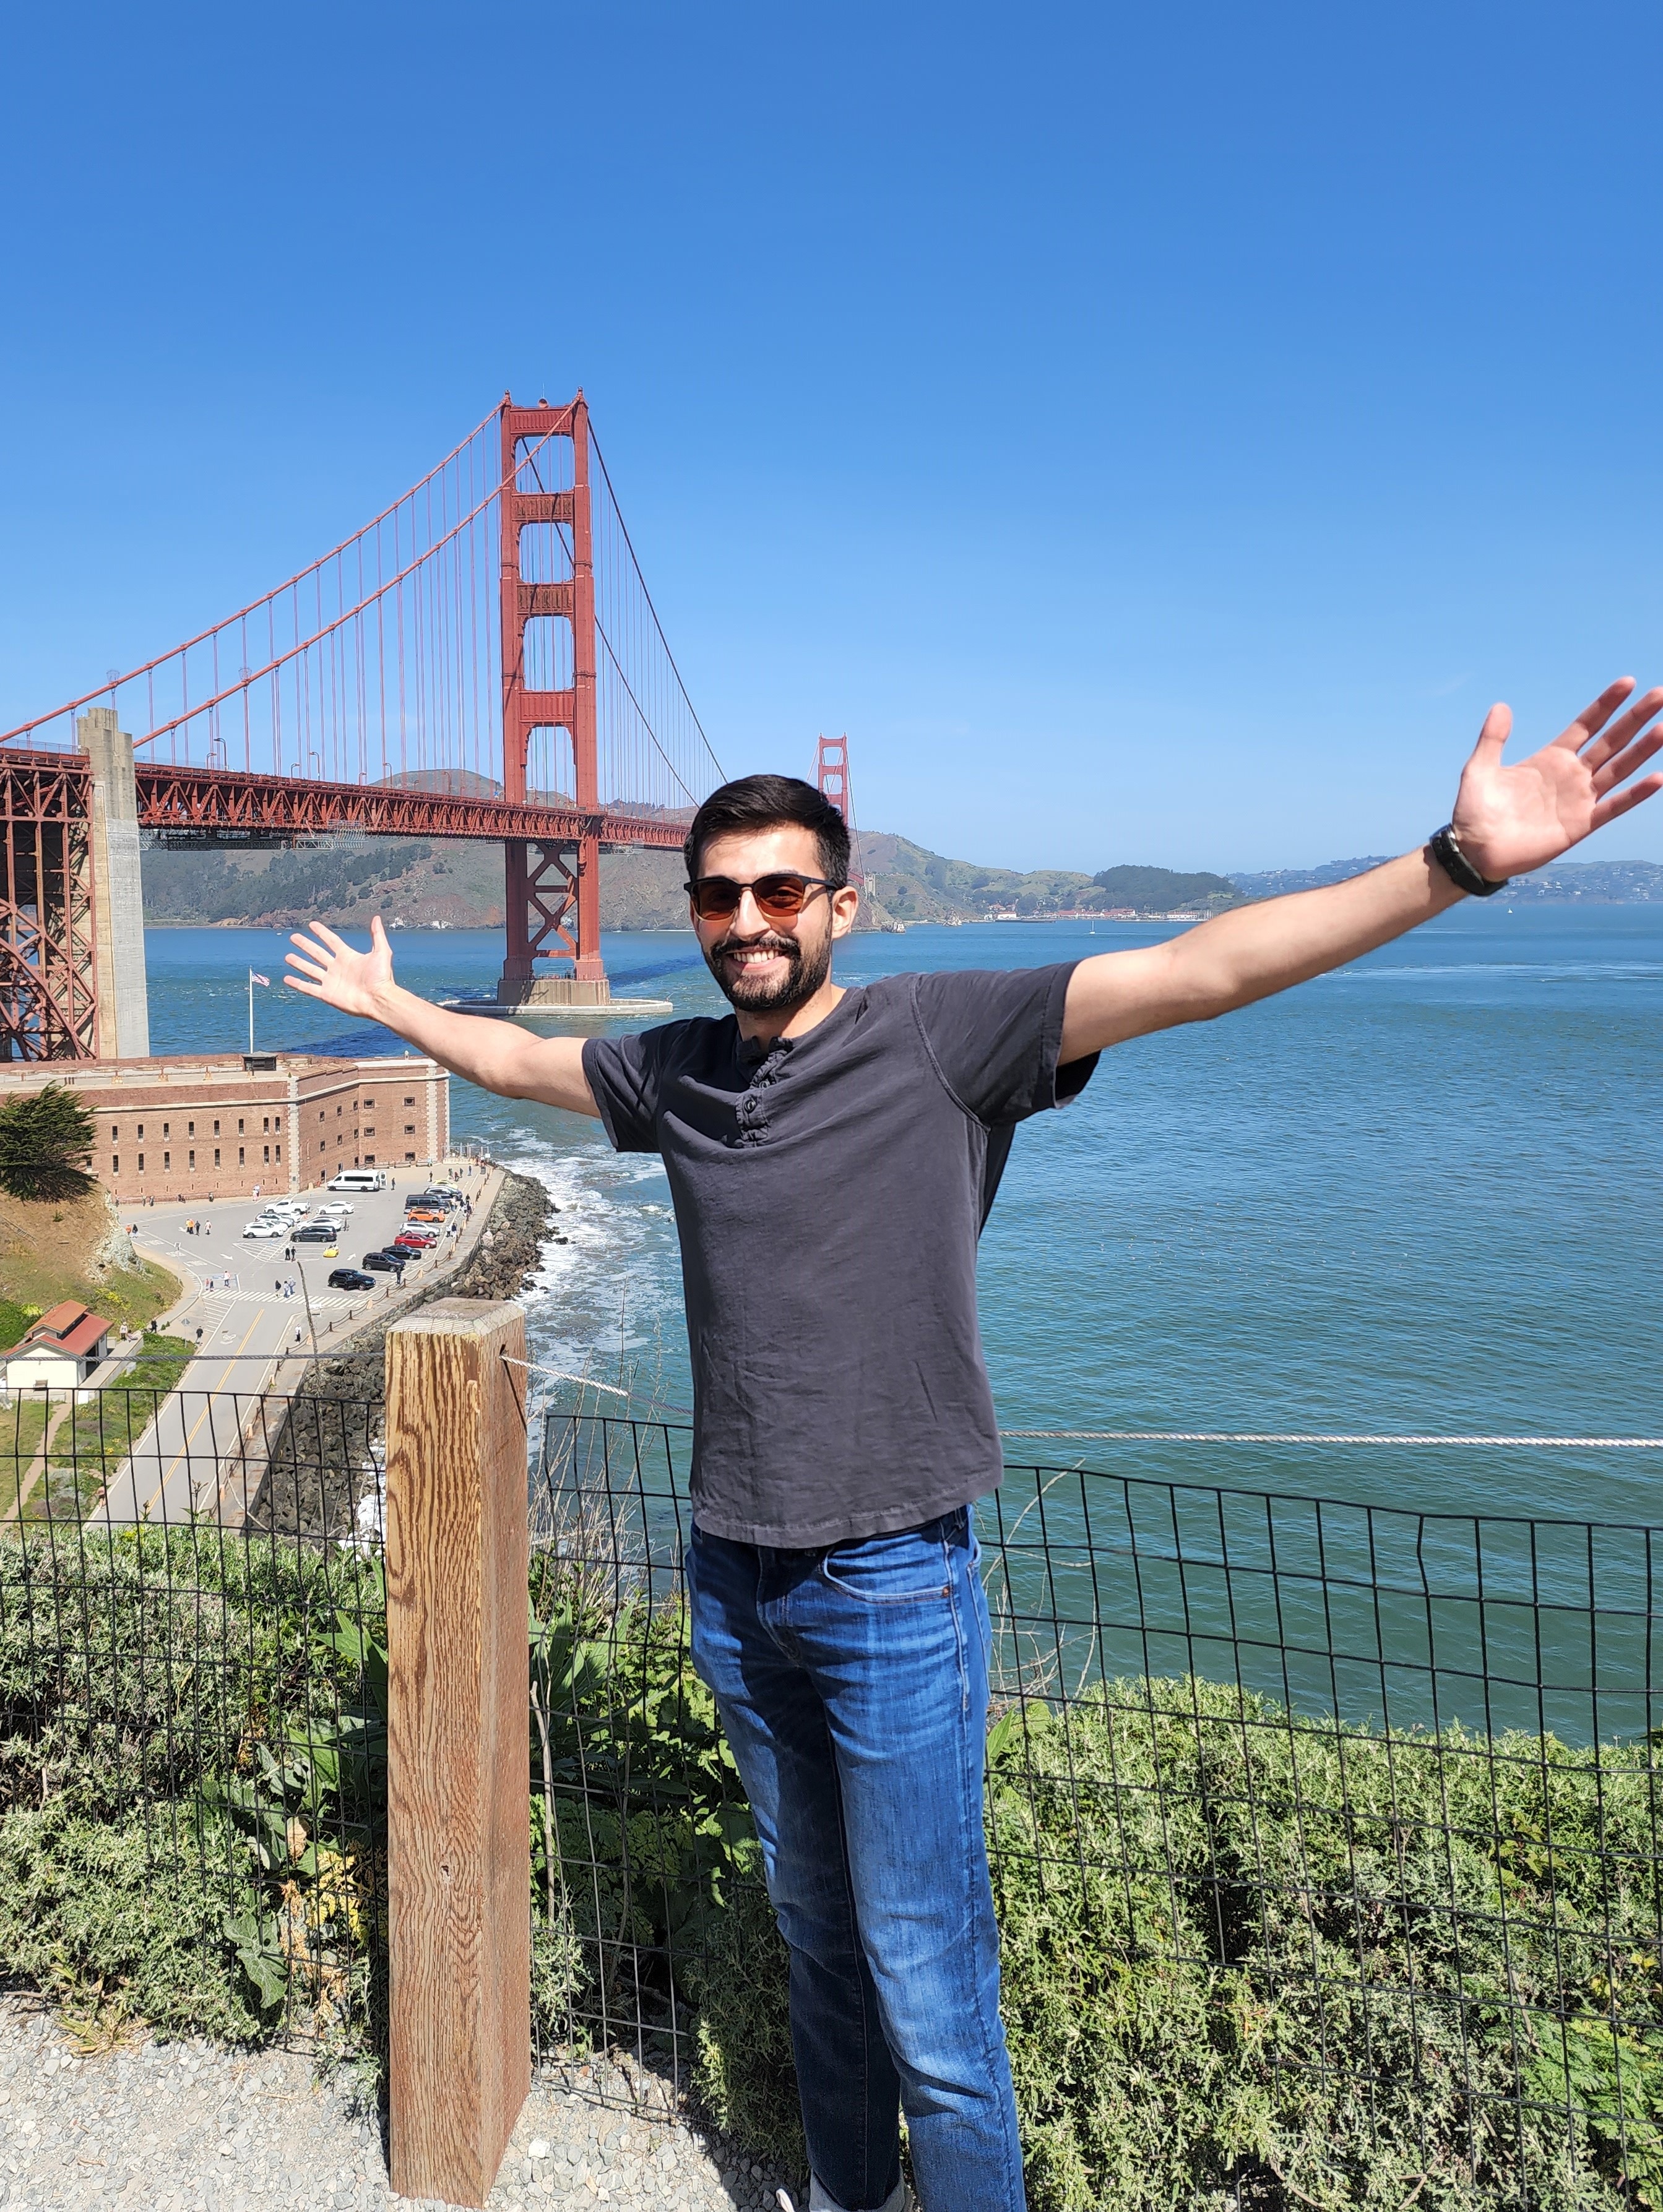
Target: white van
<point>359,1178</point>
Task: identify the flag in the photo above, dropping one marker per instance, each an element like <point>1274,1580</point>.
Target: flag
<point>253,978</point>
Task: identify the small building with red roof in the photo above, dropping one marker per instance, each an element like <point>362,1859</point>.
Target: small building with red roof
<point>59,1350</point>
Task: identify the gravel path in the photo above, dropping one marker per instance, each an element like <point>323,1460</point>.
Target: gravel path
<point>192,2127</point>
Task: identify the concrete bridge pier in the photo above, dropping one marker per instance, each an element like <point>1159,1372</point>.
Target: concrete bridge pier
<point>123,1006</point>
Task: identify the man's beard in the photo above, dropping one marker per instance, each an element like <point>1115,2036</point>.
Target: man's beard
<point>806,971</point>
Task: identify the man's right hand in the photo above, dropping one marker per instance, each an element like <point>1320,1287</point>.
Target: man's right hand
<point>496,1054</point>
<point>328,968</point>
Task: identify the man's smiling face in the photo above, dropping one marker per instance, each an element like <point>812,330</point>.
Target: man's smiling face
<point>764,966</point>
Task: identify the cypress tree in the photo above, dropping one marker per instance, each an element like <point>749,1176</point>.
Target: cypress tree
<point>46,1138</point>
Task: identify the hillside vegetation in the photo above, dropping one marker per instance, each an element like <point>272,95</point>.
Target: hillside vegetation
<point>419,883</point>
<point>75,1249</point>
<point>422,883</point>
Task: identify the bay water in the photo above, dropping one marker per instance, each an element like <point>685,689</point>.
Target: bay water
<point>1420,1194</point>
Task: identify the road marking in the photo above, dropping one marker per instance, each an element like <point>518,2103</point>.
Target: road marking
<point>207,1401</point>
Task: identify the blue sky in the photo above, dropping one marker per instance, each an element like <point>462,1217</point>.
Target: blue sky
<point>1153,434</point>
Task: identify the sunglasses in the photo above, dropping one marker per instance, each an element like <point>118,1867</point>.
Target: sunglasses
<point>778,896</point>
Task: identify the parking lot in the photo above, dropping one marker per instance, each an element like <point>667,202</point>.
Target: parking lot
<point>251,1307</point>
<point>231,1267</point>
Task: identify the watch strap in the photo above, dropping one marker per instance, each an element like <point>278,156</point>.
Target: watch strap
<point>1446,852</point>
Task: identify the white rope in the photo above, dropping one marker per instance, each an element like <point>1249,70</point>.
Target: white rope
<point>1270,1436</point>
<point>555,1374</point>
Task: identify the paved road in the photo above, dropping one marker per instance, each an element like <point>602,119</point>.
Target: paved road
<point>271,1309</point>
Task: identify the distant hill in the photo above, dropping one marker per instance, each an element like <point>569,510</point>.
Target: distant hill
<point>414,882</point>
<point>1591,883</point>
<point>421,883</point>
<point>426,882</point>
<point>1160,890</point>
<point>911,884</point>
<point>1272,883</point>
<point>1597,883</point>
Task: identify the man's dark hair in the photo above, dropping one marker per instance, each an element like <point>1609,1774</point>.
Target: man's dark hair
<point>763,802</point>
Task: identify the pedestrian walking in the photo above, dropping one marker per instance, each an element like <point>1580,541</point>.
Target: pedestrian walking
<point>832,1154</point>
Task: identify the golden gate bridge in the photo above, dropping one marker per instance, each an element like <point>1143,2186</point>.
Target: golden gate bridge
<point>483,661</point>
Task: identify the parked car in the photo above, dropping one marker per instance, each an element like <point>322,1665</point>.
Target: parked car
<point>337,1210</point>
<point>434,1196</point>
<point>316,1232</point>
<point>424,1214</point>
<point>417,1239</point>
<point>266,1229</point>
<point>350,1278</point>
<point>388,1262</point>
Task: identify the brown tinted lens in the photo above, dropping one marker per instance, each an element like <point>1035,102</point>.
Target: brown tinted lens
<point>779,895</point>
<point>714,896</point>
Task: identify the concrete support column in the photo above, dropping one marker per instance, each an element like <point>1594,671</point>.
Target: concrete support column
<point>123,1008</point>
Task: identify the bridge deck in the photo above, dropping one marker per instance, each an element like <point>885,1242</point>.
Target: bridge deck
<point>185,798</point>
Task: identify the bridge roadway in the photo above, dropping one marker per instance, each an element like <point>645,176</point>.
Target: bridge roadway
<point>203,1452</point>
<point>198,798</point>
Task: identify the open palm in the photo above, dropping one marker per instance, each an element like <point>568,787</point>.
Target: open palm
<point>328,968</point>
<point>1511,819</point>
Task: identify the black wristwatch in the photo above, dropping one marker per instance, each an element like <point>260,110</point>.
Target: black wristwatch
<point>1456,866</point>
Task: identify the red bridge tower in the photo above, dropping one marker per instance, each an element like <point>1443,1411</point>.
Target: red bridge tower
<point>551,891</point>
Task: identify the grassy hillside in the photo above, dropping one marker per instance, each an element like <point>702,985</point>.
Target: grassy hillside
<point>415,881</point>
<point>338,880</point>
<point>76,1250</point>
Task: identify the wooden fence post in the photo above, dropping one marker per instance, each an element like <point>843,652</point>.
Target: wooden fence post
<point>459,1755</point>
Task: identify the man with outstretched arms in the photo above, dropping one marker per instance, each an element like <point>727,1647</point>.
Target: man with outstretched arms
<point>832,1155</point>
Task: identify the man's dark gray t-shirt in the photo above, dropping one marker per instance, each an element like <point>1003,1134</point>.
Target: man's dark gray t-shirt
<point>829,1191</point>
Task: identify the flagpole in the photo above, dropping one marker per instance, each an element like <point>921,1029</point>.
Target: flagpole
<point>264,982</point>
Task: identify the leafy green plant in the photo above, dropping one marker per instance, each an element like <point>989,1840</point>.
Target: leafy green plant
<point>1252,1960</point>
<point>125,1913</point>
<point>641,1828</point>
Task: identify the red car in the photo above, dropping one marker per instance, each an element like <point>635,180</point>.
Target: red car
<point>413,1241</point>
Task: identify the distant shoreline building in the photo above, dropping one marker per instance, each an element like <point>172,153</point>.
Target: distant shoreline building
<point>221,1125</point>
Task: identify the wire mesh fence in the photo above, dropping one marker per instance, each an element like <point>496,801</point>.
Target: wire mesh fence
<point>192,1740</point>
<point>1325,1835</point>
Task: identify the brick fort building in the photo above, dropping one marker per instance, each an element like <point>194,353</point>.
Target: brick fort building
<point>222,1126</point>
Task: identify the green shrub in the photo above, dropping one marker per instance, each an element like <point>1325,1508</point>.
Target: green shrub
<point>108,1915</point>
<point>134,1665</point>
<point>1250,1958</point>
<point>1244,1952</point>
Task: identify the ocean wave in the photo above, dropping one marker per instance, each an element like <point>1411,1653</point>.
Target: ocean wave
<point>606,1303</point>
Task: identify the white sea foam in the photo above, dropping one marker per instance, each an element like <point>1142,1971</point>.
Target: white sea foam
<point>606,1303</point>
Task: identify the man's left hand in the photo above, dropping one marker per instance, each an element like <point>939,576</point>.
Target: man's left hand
<point>1510,820</point>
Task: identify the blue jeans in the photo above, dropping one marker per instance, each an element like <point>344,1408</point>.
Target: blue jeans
<point>852,1684</point>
